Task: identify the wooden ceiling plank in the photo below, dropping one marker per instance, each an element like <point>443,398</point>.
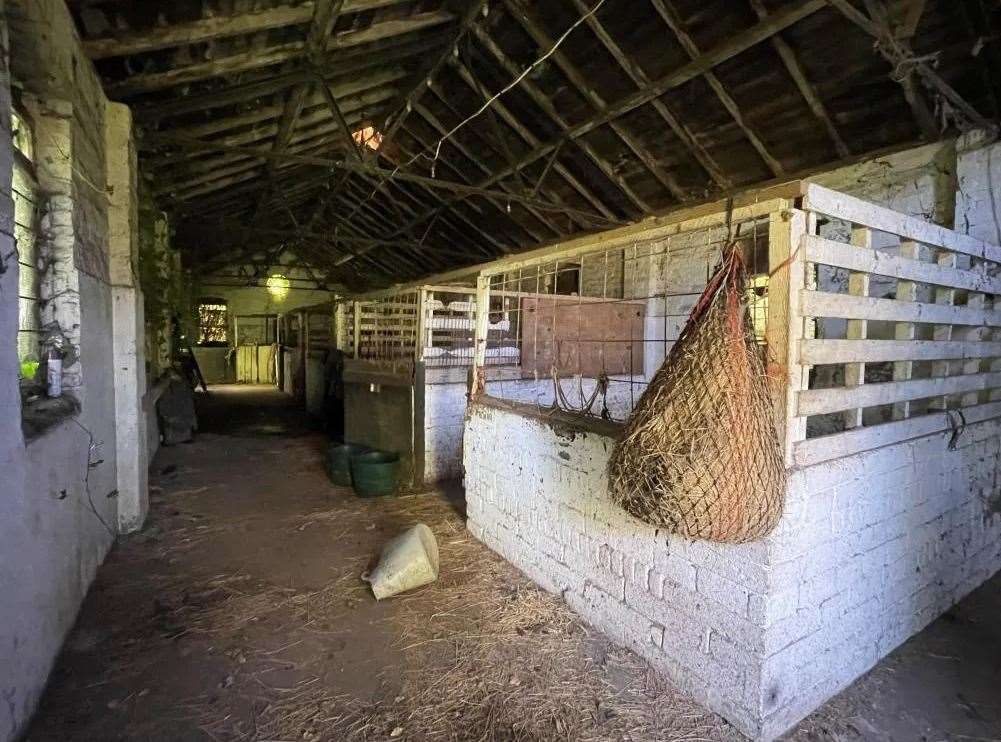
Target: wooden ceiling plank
<point>319,124</point>
<point>673,20</point>
<point>314,106</point>
<point>438,126</point>
<point>641,79</point>
<point>897,51</point>
<point>193,32</point>
<point>404,190</point>
<point>424,144</point>
<point>806,89</point>
<point>576,78</point>
<point>378,71</point>
<point>215,27</point>
<point>733,46</point>
<point>440,202</point>
<point>153,139</point>
<point>543,102</point>
<point>250,60</point>
<point>417,91</point>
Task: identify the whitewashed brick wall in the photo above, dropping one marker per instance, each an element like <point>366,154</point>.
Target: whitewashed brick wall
<point>871,549</point>
<point>696,610</point>
<point>444,411</point>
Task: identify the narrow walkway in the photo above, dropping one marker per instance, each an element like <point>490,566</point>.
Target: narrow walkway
<point>238,614</point>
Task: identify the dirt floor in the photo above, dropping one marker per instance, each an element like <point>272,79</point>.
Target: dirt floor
<point>238,614</point>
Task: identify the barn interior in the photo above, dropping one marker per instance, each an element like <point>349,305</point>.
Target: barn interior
<point>280,279</point>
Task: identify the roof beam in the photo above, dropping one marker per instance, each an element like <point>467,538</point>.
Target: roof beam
<point>325,14</point>
<point>541,100</point>
<point>233,94</point>
<point>161,138</point>
<point>319,122</point>
<point>897,51</point>
<point>216,27</point>
<point>255,59</point>
<point>468,18</point>
<point>809,93</point>
<point>545,42</point>
<point>727,50</point>
<point>421,143</point>
<point>313,104</point>
<point>641,79</point>
<point>438,126</point>
<point>671,18</point>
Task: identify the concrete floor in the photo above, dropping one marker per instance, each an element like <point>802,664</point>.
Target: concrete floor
<point>238,614</point>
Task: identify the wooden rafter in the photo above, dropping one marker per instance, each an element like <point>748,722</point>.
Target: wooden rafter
<point>468,18</point>
<point>314,106</point>
<point>161,138</point>
<point>274,55</point>
<point>729,49</point>
<point>472,157</point>
<point>671,18</point>
<point>543,102</point>
<point>896,52</point>
<point>499,206</point>
<point>806,88</point>
<point>545,42</point>
<point>352,68</point>
<point>641,79</point>
<point>215,27</point>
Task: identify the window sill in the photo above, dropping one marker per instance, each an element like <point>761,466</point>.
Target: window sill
<point>44,413</point>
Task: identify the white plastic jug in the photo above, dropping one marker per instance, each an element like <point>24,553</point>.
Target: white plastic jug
<point>410,560</point>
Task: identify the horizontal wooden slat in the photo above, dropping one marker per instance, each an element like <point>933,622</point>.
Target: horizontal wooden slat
<point>844,306</point>
<point>823,401</point>
<point>840,255</point>
<point>828,447</point>
<point>817,352</point>
<point>855,210</point>
<point>214,27</point>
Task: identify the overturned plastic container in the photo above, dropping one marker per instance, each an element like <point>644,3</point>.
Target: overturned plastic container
<point>375,473</point>
<point>408,561</point>
<point>339,461</point>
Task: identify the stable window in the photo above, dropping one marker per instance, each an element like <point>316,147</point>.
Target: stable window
<point>26,217</point>
<point>213,322</point>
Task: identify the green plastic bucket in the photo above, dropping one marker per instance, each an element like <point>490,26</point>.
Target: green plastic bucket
<point>375,473</point>
<point>339,462</point>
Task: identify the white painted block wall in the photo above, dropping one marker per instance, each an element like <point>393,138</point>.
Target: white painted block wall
<point>695,610</point>
<point>870,550</point>
<point>444,415</point>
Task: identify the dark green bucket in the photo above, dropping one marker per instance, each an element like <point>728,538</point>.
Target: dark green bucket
<point>375,473</point>
<point>339,462</point>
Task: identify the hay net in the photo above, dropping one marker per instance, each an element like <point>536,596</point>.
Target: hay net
<point>701,455</point>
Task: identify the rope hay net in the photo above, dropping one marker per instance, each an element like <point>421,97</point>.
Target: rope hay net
<point>701,455</point>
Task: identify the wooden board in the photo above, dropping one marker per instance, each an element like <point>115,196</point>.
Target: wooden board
<point>580,338</point>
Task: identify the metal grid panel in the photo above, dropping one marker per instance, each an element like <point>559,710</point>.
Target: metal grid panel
<point>586,333</point>
<point>27,212</point>
<point>449,329</point>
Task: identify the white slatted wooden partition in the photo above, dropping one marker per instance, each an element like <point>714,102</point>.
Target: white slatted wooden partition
<point>908,337</point>
<point>383,329</point>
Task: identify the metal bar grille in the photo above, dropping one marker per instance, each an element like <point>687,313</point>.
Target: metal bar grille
<point>587,332</point>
